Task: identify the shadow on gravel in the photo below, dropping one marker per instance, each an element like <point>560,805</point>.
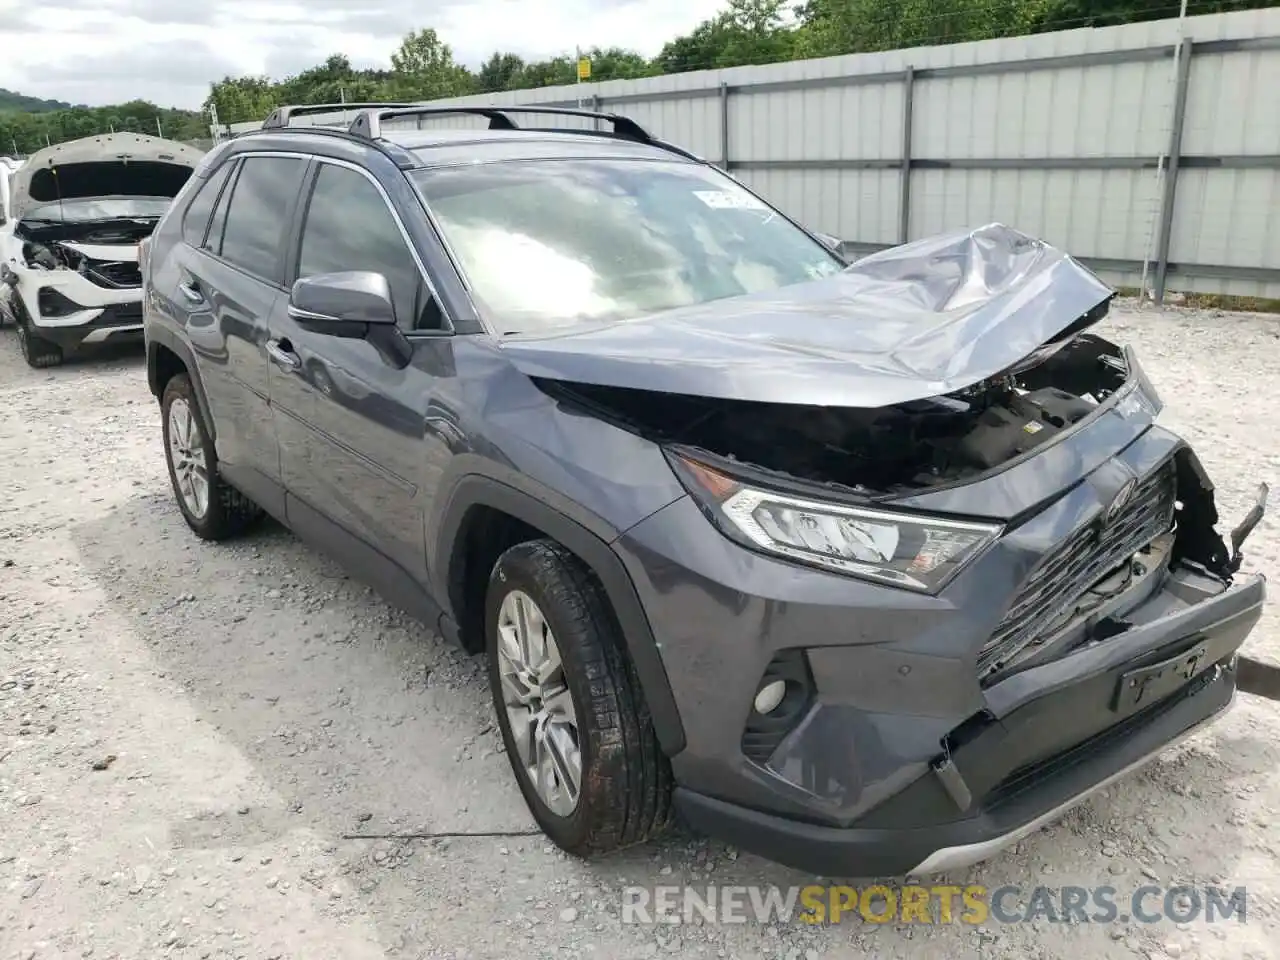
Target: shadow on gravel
<point>364,722</point>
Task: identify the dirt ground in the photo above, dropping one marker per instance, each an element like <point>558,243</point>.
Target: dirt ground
<point>260,707</point>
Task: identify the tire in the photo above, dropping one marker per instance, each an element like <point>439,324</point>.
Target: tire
<point>39,353</point>
<point>624,795</point>
<point>223,511</point>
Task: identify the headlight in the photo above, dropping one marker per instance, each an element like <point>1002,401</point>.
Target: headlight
<point>916,552</point>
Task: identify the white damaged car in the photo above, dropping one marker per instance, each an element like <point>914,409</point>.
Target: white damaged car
<point>69,251</point>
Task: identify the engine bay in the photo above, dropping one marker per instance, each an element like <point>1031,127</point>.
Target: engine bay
<point>105,272</point>
<point>908,446</point>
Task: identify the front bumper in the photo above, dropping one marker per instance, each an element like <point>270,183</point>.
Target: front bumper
<point>113,323</point>
<point>1075,693</point>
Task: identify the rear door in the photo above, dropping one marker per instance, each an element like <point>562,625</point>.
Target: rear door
<point>353,441</point>
<point>231,281</point>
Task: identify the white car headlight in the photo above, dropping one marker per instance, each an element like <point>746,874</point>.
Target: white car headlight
<point>906,550</point>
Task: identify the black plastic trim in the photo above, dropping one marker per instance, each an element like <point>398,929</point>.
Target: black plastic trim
<point>478,490</point>
<point>158,336</point>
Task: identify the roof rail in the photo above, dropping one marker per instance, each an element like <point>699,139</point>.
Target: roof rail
<point>281,116</point>
<point>369,122</point>
<point>398,155</point>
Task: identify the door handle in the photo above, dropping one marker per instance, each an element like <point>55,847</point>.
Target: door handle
<point>191,290</point>
<point>282,356</point>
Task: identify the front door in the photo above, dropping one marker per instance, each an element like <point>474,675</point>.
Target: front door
<point>351,425</point>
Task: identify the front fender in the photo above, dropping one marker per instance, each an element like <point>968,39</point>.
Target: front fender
<point>589,538</point>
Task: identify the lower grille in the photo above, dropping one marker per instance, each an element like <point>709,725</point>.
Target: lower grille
<point>1052,590</point>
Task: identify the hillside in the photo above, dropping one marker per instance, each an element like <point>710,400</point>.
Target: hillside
<point>11,100</point>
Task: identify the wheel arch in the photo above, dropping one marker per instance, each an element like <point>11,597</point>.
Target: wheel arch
<point>167,356</point>
<point>477,499</point>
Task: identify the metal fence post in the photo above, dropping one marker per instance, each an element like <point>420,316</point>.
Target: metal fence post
<point>1167,202</point>
<point>904,192</point>
<point>724,126</point>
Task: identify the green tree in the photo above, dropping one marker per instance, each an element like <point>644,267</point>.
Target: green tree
<point>242,98</point>
<point>423,69</point>
<point>749,31</point>
<point>502,71</point>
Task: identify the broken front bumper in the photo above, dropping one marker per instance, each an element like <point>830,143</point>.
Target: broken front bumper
<point>1051,736</point>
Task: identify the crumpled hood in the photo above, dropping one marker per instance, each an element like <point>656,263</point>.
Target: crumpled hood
<point>926,318</point>
<point>107,148</point>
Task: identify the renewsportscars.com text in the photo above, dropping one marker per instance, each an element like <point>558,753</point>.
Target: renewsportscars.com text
<point>939,904</point>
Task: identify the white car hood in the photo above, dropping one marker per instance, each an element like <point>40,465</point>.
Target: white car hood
<point>108,148</point>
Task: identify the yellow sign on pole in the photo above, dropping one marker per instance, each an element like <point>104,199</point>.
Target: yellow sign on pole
<point>584,69</point>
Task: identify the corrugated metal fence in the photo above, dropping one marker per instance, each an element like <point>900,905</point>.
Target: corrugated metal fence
<point>1143,144</point>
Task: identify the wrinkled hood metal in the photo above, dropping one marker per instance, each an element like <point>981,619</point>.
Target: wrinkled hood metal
<point>108,148</point>
<point>926,318</point>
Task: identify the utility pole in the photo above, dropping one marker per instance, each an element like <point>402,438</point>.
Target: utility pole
<point>214,129</point>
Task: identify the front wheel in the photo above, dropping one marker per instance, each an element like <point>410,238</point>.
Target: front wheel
<point>39,353</point>
<point>211,507</point>
<point>575,723</point>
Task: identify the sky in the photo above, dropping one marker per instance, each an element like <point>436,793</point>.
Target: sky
<point>169,51</point>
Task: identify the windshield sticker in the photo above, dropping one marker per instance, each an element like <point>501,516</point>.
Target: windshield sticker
<point>726,200</point>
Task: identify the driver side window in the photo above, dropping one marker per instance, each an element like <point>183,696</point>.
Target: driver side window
<point>349,226</point>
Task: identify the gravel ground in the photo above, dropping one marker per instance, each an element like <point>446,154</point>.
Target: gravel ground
<point>190,733</point>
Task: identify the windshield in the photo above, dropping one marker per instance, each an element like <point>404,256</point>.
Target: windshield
<point>551,244</point>
<point>99,208</point>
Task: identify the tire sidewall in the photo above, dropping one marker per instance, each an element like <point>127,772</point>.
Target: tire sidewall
<point>179,388</point>
<point>512,572</point>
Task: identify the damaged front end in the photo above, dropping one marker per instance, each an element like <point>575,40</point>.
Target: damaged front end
<point>805,426</point>
<point>939,573</point>
<point>1077,401</point>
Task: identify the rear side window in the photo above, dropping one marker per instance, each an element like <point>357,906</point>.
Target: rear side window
<point>350,227</point>
<point>195,221</point>
<point>254,234</point>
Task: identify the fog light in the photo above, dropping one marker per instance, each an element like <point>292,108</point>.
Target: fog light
<point>770,695</point>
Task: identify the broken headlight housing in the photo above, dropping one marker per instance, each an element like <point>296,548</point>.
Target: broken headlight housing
<point>907,550</point>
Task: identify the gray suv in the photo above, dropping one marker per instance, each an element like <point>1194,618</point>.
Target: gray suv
<point>870,568</point>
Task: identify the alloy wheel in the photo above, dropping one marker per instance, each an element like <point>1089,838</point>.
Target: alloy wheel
<point>540,711</point>
<point>186,454</point>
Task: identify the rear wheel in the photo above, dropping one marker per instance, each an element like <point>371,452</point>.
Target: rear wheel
<point>212,508</point>
<point>577,730</point>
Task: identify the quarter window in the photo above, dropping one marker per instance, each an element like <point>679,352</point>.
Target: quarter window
<point>196,220</point>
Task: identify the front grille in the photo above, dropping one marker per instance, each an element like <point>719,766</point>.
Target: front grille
<point>107,273</point>
<point>1051,592</point>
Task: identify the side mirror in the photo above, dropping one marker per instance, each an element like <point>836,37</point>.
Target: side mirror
<point>351,304</point>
